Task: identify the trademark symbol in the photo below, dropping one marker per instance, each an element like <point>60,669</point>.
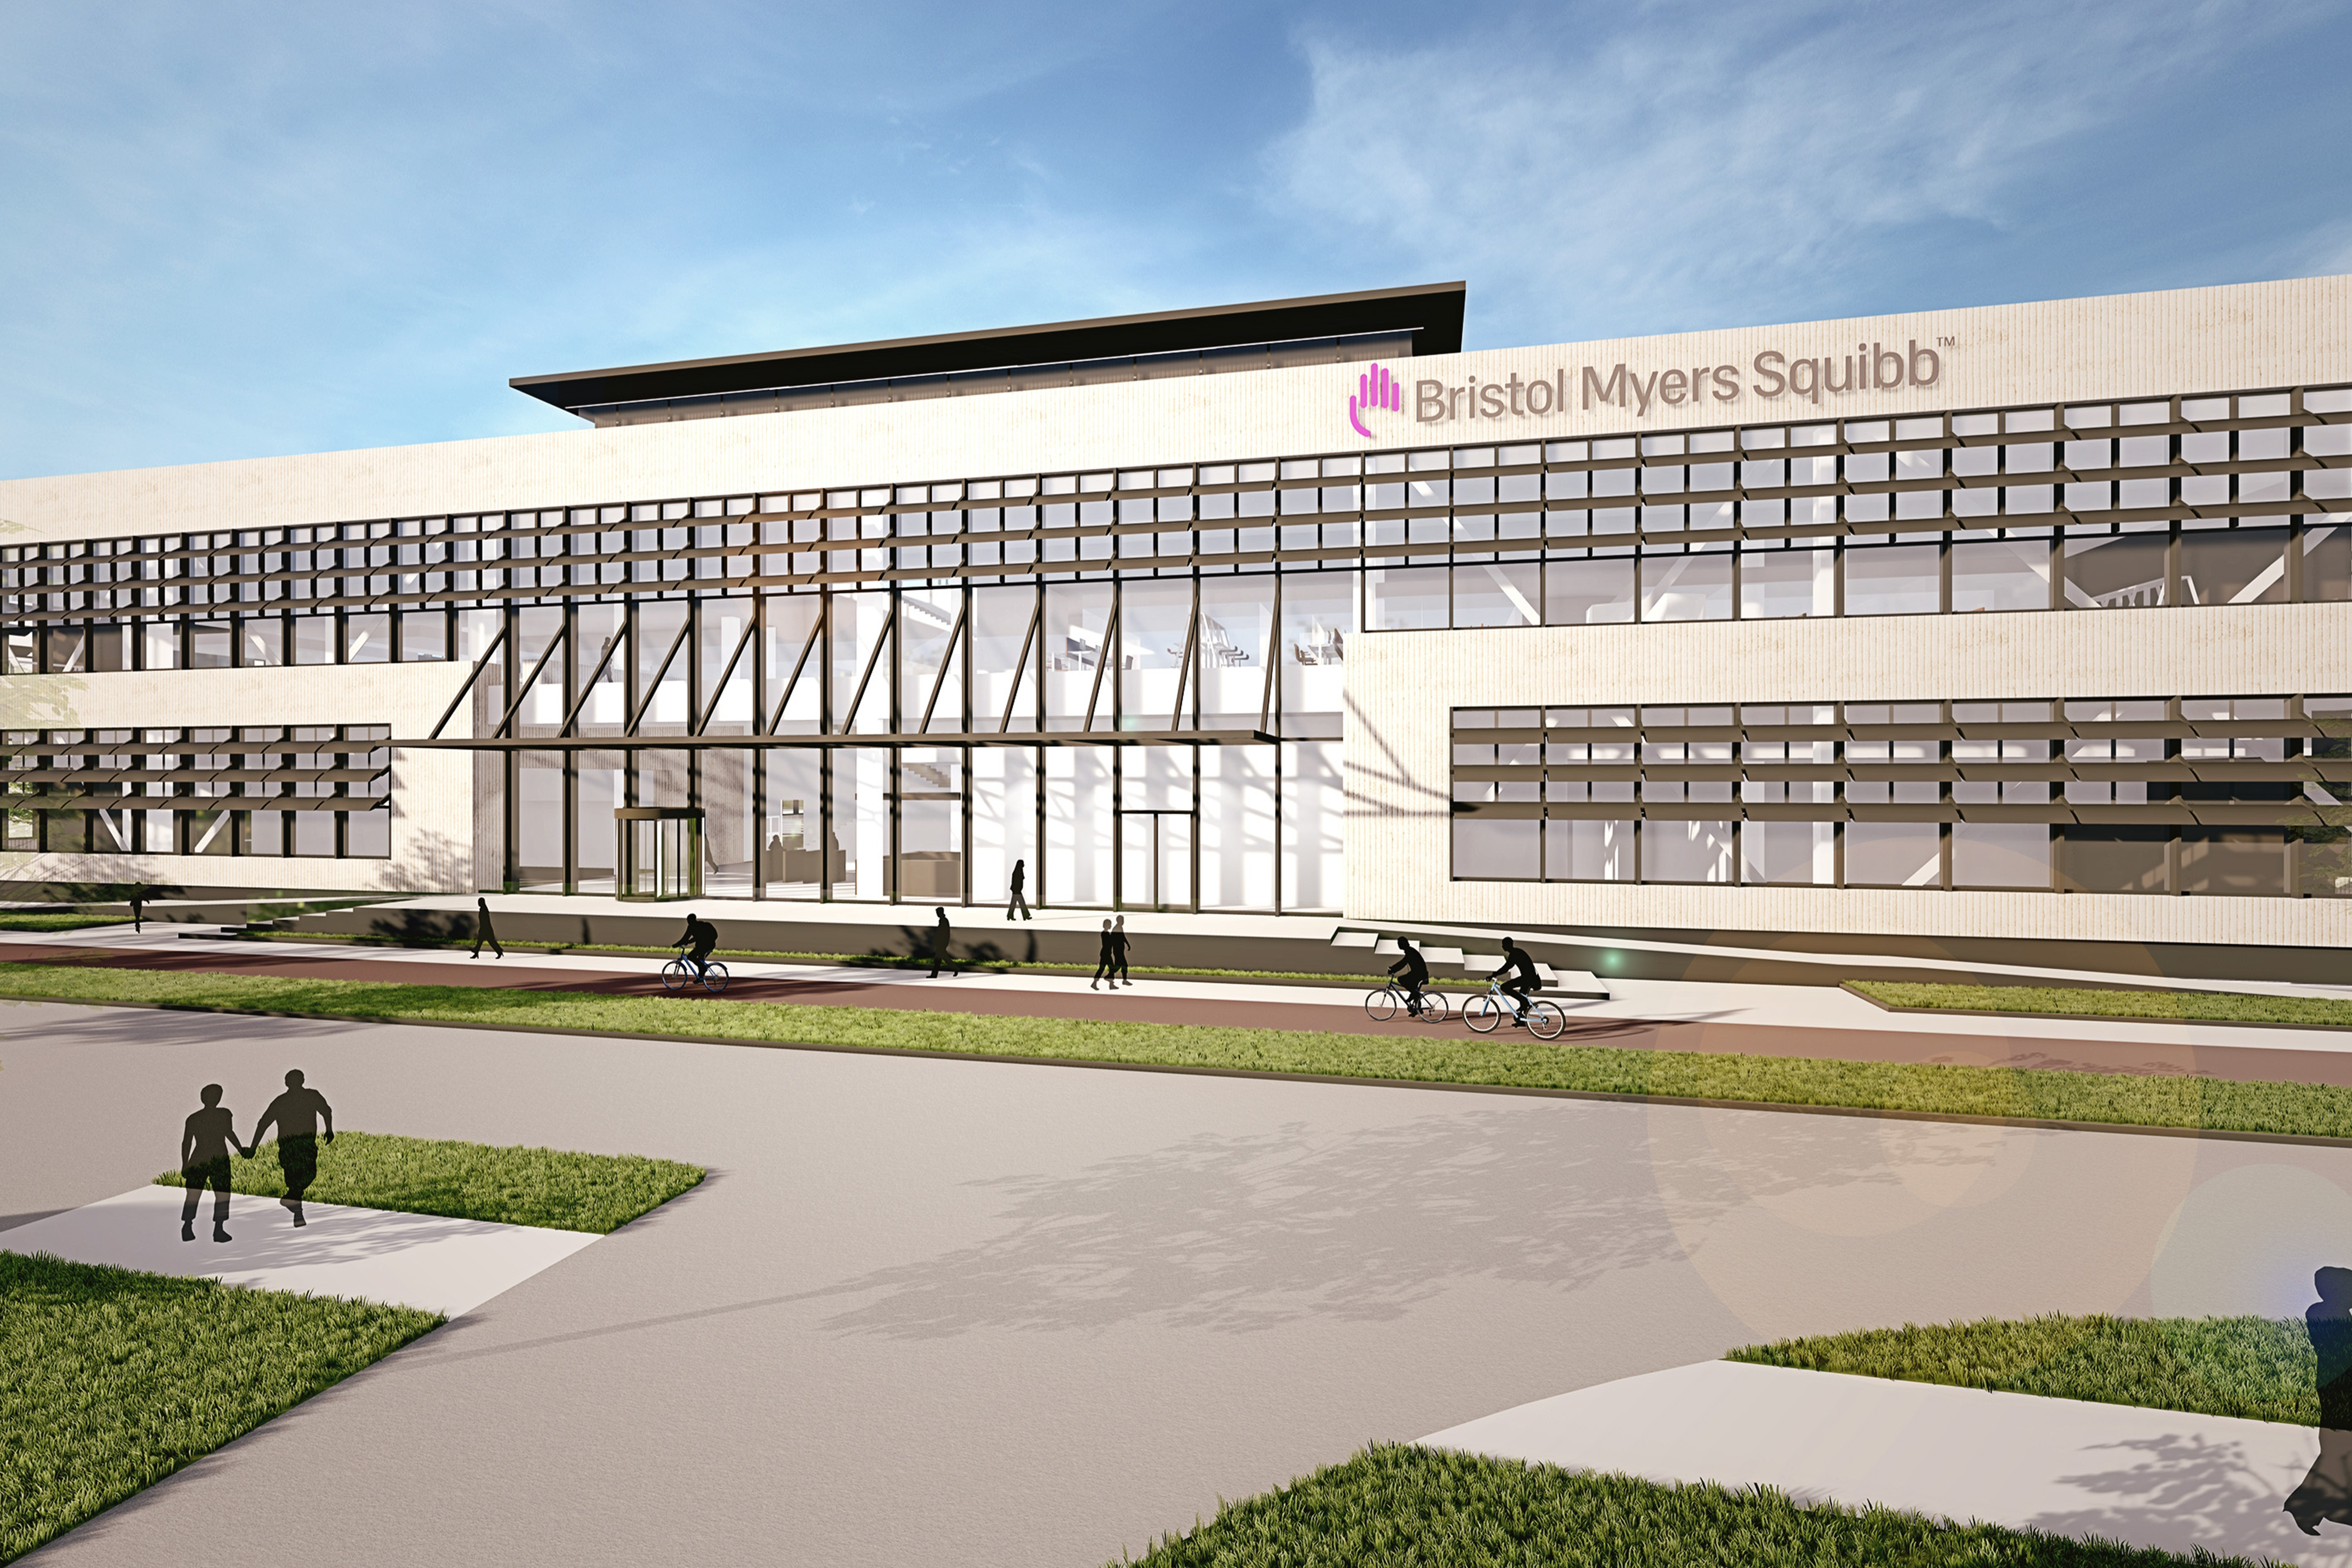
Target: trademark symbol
<point>1947,342</point>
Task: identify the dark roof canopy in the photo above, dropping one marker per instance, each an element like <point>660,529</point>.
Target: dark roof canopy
<point>1431,314</point>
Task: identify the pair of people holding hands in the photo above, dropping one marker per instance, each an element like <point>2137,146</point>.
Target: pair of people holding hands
<point>211,1133</point>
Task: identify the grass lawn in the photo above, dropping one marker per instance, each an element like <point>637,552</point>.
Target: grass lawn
<point>29,920</point>
<point>866,960</point>
<point>1396,1506</point>
<point>545,1188</point>
<point>2076,1001</point>
<point>2260,1368</point>
<point>110,1380</point>
<point>1514,1060</point>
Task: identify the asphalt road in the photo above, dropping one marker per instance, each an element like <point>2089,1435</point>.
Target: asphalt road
<point>942,1311</point>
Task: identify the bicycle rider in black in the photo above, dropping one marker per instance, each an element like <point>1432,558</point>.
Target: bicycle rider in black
<point>1416,972</point>
<point>701,936</point>
<point>1521,968</point>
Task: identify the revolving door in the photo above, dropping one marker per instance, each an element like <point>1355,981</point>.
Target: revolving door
<point>661,851</point>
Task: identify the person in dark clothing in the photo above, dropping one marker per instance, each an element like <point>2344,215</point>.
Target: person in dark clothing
<point>1118,947</point>
<point>1107,961</point>
<point>1524,981</point>
<point>700,937</point>
<point>2326,1492</point>
<point>1415,970</point>
<point>482,932</point>
<point>1019,905</point>
<point>297,1115</point>
<point>939,934</point>
<point>138,905</point>
<point>205,1142</point>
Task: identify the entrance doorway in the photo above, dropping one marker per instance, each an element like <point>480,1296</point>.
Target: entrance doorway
<point>661,851</point>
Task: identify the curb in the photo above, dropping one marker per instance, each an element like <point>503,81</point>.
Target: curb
<point>1959,1118</point>
<point>2089,1017</point>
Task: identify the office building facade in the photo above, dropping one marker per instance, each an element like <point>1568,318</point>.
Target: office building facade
<point>2016,621</point>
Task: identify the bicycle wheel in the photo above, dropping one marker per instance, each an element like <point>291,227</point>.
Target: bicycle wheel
<point>714,976</point>
<point>1380,1004</point>
<point>673,975</point>
<point>1545,1020</point>
<point>1481,1014</point>
<point>1433,1007</point>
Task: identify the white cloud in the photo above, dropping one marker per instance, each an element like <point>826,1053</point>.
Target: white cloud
<point>1694,163</point>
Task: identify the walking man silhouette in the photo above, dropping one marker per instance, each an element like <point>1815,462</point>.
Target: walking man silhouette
<point>1119,945</point>
<point>2326,1492</point>
<point>297,1115</point>
<point>1107,961</point>
<point>205,1142</point>
<point>1019,905</point>
<point>138,902</point>
<point>939,944</point>
<point>482,932</point>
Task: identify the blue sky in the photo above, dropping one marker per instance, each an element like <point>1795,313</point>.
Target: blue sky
<point>238,229</point>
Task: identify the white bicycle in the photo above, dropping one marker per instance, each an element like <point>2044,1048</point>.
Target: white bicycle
<point>1483,1014</point>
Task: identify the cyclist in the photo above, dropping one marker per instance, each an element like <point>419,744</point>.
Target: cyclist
<point>1523,979</point>
<point>1414,969</point>
<point>701,936</point>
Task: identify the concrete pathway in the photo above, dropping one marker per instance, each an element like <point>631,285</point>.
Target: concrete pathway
<point>446,1265</point>
<point>938,1310</point>
<point>2149,1478</point>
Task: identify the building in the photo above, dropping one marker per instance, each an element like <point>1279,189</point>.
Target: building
<point>2024,622</point>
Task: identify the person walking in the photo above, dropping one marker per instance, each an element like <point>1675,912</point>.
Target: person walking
<point>482,932</point>
<point>1414,969</point>
<point>1119,945</point>
<point>206,1139</point>
<point>1019,906</point>
<point>939,934</point>
<point>138,906</point>
<point>1105,961</point>
<point>2326,1492</point>
<point>701,936</point>
<point>297,1115</point>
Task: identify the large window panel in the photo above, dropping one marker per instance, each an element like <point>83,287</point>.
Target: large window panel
<point>600,669</point>
<point>1589,590</point>
<point>1597,850</point>
<point>1077,825</point>
<point>1004,659</point>
<point>861,679</point>
<point>1493,595</point>
<point>1237,827</point>
<point>793,660</point>
<point>2327,561</point>
<point>1777,585</point>
<point>2233,861</point>
<point>1498,849</point>
<point>1893,580</point>
<point>730,832</point>
<point>1686,587</point>
<point>725,624</point>
<point>2000,854</point>
<point>1314,826</point>
<point>1800,853</point>
<point>1319,616</point>
<point>1004,824</point>
<point>2118,571</point>
<point>2233,566</point>
<point>2000,575</point>
<point>1077,619</point>
<point>793,843</point>
<point>1893,854</point>
<point>1154,639</point>
<point>1406,598</point>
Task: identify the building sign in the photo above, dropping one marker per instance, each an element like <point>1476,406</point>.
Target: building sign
<point>1770,376</point>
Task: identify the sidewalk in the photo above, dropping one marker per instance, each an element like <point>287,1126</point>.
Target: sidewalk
<point>446,1265</point>
<point>2149,1478</point>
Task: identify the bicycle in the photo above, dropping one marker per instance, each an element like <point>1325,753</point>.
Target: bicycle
<point>678,974</point>
<point>1544,1019</point>
<point>1389,1001</point>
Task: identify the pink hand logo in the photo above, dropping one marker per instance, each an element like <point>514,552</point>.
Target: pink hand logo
<point>1374,389</point>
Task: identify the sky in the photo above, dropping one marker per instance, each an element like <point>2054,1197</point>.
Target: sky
<point>238,230</point>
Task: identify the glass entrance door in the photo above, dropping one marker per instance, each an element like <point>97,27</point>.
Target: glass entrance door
<point>661,851</point>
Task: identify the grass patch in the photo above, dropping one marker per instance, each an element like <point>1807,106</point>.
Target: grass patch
<point>31,920</point>
<point>545,1188</point>
<point>110,1380</point>
<point>858,960</point>
<point>1396,1505</point>
<point>1512,1059</point>
<point>2075,1001</point>
<point>2260,1368</point>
